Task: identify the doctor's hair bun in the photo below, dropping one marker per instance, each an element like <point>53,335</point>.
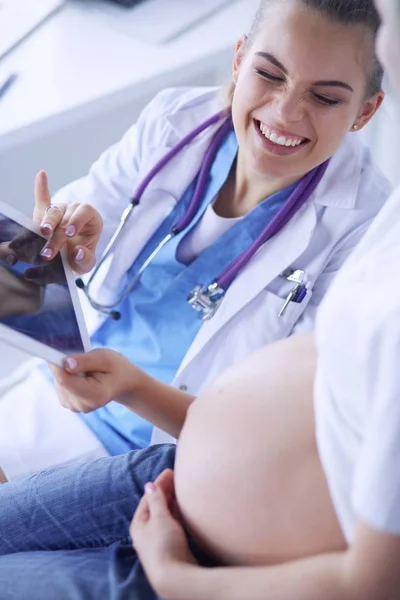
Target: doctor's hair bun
<point>347,12</point>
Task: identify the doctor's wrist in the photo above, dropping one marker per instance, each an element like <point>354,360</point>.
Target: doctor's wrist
<point>136,386</point>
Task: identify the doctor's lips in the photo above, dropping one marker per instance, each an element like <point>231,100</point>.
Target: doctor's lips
<point>280,139</point>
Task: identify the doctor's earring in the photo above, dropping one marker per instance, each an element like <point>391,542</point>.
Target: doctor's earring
<point>355,127</point>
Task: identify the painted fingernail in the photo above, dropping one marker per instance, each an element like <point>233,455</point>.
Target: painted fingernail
<point>46,253</point>
<point>47,228</point>
<point>71,363</point>
<point>149,488</point>
<point>71,230</point>
<point>79,255</point>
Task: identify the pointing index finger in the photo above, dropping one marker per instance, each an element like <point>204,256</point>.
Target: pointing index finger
<point>42,196</point>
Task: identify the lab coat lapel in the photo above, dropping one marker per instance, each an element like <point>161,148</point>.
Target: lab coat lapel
<point>277,254</point>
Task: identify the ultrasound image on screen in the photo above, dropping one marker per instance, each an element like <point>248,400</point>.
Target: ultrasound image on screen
<point>34,295</point>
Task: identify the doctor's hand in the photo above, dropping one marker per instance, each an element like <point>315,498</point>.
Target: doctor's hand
<point>90,381</point>
<point>159,538</point>
<point>76,226</point>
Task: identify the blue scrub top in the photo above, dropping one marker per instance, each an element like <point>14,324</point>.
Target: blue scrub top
<point>157,325</point>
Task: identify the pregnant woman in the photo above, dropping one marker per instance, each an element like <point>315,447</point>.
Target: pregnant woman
<point>281,492</point>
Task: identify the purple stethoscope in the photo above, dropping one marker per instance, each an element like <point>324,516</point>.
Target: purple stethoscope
<point>206,299</point>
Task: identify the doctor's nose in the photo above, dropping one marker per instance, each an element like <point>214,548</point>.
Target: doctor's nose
<point>289,108</point>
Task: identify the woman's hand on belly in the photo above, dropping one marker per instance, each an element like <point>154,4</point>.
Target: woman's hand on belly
<point>366,571</point>
<point>158,536</point>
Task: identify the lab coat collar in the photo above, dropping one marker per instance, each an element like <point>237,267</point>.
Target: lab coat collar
<point>187,115</point>
<point>339,186</point>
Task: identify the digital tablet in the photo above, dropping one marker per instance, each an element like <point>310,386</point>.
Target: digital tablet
<point>40,311</point>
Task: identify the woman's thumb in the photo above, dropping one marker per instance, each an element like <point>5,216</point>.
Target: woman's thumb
<point>157,501</point>
<point>86,363</point>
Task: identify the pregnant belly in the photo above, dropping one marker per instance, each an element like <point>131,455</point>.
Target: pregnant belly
<point>248,478</point>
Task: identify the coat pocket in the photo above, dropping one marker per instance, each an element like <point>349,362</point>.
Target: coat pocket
<point>281,326</point>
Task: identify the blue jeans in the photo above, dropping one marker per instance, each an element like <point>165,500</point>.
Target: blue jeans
<point>64,533</point>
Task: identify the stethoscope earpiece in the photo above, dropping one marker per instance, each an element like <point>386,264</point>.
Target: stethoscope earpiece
<point>79,283</point>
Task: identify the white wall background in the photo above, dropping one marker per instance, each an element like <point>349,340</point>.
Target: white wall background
<point>382,135</point>
<point>79,145</point>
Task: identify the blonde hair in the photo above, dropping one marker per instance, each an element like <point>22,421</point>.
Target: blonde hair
<point>228,93</point>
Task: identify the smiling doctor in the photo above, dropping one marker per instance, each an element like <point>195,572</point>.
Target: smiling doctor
<point>247,208</point>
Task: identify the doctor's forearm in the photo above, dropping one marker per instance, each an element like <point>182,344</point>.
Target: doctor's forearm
<point>162,405</point>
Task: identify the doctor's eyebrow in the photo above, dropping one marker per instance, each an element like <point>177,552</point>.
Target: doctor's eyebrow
<point>342,84</point>
<point>331,83</point>
<point>271,58</point>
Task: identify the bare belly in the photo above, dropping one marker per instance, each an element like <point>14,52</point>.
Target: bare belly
<point>248,478</point>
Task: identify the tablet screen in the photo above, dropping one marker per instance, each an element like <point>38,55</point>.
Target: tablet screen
<point>34,296</point>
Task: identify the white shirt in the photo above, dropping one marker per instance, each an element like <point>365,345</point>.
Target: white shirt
<point>357,392</point>
<point>210,227</point>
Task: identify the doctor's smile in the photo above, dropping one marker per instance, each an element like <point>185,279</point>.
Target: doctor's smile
<point>277,141</point>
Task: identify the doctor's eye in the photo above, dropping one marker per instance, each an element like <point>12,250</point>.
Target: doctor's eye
<point>328,101</point>
<point>269,77</point>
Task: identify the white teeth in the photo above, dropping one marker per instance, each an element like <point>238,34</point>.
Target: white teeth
<point>273,137</point>
<point>279,140</point>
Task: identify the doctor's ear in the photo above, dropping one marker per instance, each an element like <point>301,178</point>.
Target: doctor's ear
<point>369,109</point>
<point>238,57</point>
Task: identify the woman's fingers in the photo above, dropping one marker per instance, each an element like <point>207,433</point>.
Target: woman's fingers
<point>95,361</point>
<point>81,259</point>
<point>79,394</point>
<point>42,196</point>
<point>48,215</point>
<point>153,505</point>
<point>140,518</point>
<point>85,220</point>
<point>81,227</point>
<point>52,219</point>
<point>165,481</point>
<point>54,225</point>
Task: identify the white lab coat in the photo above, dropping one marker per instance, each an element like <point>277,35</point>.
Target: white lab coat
<point>318,239</point>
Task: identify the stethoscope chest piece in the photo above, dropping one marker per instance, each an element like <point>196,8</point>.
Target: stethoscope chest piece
<point>206,300</point>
